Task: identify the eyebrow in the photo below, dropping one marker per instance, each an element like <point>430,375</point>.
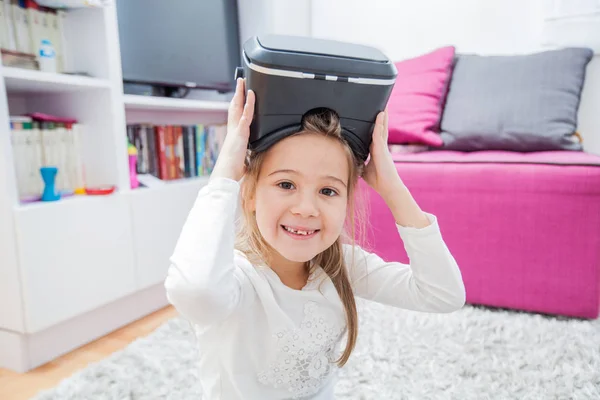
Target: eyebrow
<point>291,171</point>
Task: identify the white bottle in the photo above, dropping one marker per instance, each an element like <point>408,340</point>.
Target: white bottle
<point>47,56</point>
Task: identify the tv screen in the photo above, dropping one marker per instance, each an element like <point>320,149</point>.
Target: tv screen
<point>179,43</point>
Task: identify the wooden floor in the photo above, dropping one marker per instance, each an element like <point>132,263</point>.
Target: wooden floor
<point>14,386</point>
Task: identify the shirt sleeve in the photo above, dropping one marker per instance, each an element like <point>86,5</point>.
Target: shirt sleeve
<point>202,282</point>
<point>431,283</point>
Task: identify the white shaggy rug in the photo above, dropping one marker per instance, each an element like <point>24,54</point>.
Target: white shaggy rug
<point>475,353</point>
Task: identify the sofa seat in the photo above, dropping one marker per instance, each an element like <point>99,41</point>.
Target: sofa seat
<point>523,227</point>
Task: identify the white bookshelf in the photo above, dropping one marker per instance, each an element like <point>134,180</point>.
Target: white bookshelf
<point>64,202</point>
<point>78,268</point>
<point>135,102</point>
<point>157,110</point>
<point>19,80</point>
<point>196,182</point>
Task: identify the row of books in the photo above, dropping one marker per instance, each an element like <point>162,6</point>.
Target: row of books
<point>171,152</point>
<point>39,142</point>
<point>23,26</point>
<point>167,152</point>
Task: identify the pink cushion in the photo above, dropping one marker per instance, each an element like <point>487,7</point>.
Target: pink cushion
<point>523,227</point>
<point>499,157</point>
<point>416,102</point>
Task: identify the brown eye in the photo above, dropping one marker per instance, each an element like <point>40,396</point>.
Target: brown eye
<point>286,185</point>
<point>329,192</point>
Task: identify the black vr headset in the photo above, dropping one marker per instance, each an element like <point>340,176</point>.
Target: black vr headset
<point>292,75</point>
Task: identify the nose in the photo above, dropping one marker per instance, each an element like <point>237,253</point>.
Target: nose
<point>306,205</point>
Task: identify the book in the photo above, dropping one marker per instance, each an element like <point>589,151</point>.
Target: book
<point>41,141</point>
<point>171,152</point>
<point>24,25</point>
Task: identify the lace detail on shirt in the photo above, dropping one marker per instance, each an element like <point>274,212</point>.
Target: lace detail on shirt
<point>305,356</point>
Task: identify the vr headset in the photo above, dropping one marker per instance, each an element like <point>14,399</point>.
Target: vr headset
<point>292,75</point>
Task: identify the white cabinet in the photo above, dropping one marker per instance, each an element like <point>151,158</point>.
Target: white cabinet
<point>75,256</point>
<point>157,216</point>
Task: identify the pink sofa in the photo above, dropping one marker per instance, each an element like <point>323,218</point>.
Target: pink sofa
<point>523,227</point>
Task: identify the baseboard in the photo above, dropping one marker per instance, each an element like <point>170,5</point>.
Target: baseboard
<point>13,353</point>
<point>21,353</point>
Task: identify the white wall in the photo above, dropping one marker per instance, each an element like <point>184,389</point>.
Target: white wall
<point>404,29</point>
<point>408,28</point>
<point>274,16</point>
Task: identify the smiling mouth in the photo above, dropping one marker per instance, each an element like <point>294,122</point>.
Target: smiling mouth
<point>300,232</point>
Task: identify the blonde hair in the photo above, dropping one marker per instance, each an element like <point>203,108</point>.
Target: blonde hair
<point>250,241</point>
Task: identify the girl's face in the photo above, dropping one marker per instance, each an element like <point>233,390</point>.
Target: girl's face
<point>301,197</point>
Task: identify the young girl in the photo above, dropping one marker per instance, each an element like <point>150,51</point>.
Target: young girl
<point>271,310</point>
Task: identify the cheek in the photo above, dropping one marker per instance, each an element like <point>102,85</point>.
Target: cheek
<point>267,209</point>
<point>334,216</point>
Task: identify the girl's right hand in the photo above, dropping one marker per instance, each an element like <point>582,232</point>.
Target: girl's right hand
<point>230,162</point>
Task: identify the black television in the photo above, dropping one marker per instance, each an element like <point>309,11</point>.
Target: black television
<point>174,44</point>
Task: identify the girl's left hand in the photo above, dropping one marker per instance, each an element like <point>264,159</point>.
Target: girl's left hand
<point>380,172</point>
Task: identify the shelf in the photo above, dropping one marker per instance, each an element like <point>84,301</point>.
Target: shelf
<point>68,201</point>
<point>19,80</point>
<point>135,102</point>
<point>194,183</point>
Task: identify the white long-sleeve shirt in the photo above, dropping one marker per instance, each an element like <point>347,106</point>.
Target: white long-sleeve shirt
<point>259,339</point>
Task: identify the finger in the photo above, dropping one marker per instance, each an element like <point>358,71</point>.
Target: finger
<point>378,132</point>
<point>248,113</point>
<point>379,124</point>
<point>235,107</point>
<point>385,126</point>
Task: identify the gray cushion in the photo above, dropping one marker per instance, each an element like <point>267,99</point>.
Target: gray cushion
<point>515,102</point>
